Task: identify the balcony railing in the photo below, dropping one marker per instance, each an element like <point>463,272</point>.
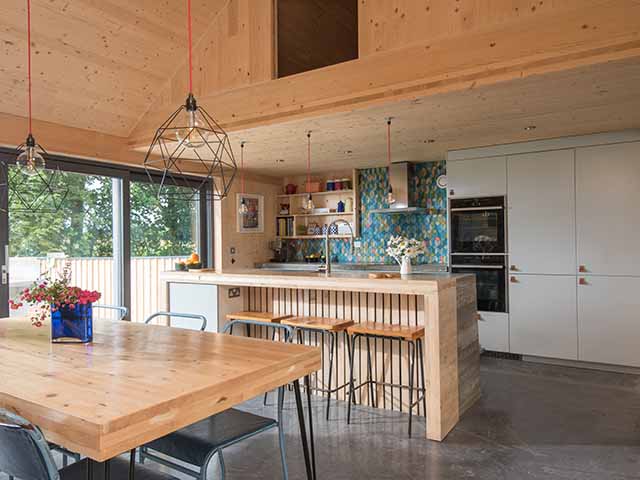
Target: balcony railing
<point>97,273</point>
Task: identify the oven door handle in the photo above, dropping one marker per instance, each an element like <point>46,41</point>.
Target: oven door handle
<point>489,267</point>
<point>475,209</point>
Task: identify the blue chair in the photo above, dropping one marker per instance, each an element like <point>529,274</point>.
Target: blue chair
<point>25,455</point>
<point>200,443</point>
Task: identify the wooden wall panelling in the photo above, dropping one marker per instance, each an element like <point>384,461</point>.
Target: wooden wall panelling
<point>390,24</point>
<point>533,45</point>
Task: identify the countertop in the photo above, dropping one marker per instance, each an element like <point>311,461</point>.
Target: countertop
<point>417,284</point>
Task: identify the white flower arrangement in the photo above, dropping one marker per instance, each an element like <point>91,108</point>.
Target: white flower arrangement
<point>400,247</point>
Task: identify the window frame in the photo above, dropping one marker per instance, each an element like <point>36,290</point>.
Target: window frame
<point>126,174</point>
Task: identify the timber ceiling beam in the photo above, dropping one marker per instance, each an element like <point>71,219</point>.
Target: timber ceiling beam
<point>529,46</point>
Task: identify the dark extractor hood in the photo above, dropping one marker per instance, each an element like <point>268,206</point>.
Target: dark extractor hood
<point>400,174</point>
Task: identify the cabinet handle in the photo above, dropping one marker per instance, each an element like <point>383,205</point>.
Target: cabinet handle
<point>513,268</point>
<point>583,281</point>
<point>514,279</point>
<point>583,269</point>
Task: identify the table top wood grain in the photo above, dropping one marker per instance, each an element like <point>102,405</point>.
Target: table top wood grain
<point>135,382</point>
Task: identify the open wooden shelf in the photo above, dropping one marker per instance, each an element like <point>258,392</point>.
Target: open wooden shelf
<point>312,237</point>
<point>305,194</point>
<point>330,214</point>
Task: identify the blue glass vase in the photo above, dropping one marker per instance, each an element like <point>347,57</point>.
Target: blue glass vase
<point>72,325</point>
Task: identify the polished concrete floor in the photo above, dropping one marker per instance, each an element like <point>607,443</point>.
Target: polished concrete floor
<point>533,422</point>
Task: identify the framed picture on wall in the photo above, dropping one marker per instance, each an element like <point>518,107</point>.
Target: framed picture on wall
<point>253,221</point>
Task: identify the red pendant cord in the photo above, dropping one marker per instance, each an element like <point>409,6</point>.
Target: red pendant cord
<point>190,48</point>
<point>389,142</point>
<point>309,162</point>
<point>242,167</point>
<point>29,58</point>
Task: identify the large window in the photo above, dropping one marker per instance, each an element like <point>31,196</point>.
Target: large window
<point>112,229</point>
<point>164,231</point>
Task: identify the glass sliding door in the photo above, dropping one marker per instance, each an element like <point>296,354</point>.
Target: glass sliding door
<point>163,231</point>
<point>83,235</point>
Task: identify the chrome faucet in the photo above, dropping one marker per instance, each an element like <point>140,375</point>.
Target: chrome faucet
<point>327,246</point>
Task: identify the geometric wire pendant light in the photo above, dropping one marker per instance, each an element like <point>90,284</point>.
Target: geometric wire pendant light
<point>32,188</point>
<point>190,149</point>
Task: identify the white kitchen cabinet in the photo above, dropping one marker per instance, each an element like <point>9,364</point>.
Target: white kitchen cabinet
<point>542,316</point>
<point>482,177</point>
<point>493,331</point>
<point>541,212</point>
<point>609,320</point>
<point>194,298</point>
<point>607,201</point>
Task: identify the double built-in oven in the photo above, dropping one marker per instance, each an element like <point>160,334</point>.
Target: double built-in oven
<point>478,245</point>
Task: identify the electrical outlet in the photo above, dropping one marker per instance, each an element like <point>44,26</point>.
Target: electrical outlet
<point>234,292</point>
<point>357,244</point>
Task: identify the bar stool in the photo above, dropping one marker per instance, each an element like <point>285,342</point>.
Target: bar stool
<point>331,327</point>
<point>413,337</point>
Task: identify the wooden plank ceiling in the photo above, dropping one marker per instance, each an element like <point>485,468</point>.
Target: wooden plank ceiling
<point>97,64</point>
<point>585,100</point>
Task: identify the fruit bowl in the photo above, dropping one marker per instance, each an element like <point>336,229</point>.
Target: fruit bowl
<point>194,266</point>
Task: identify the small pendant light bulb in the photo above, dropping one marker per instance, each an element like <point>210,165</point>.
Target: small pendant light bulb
<point>243,210</point>
<point>30,161</point>
<point>310,205</point>
<point>390,198</point>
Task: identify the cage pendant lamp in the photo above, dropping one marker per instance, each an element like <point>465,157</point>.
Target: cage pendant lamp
<point>31,187</point>
<point>309,205</point>
<point>391,199</point>
<point>243,210</point>
<point>190,150</point>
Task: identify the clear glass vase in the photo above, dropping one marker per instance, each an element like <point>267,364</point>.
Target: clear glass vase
<point>72,324</point>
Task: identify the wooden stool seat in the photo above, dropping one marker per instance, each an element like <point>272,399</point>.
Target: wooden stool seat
<point>257,316</point>
<point>405,332</point>
<point>318,323</point>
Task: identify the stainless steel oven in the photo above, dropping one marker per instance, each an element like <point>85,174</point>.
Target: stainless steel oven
<point>477,225</point>
<point>491,279</point>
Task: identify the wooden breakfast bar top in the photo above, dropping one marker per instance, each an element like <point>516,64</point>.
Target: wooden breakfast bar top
<point>444,304</point>
<point>135,382</point>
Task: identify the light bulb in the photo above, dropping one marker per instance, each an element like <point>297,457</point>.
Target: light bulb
<point>243,210</point>
<point>30,161</point>
<point>310,205</point>
<point>192,136</point>
<point>390,198</point>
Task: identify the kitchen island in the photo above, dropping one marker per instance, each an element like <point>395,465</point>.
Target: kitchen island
<point>444,303</point>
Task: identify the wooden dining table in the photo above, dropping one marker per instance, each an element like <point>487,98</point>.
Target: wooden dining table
<point>135,383</point>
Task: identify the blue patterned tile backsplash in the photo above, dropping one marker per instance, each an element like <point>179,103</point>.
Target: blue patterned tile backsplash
<point>376,229</point>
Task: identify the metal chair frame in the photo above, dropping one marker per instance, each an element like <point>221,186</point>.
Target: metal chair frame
<point>415,347</point>
<point>193,316</point>
<point>333,342</point>
<point>122,310</point>
<point>200,474</point>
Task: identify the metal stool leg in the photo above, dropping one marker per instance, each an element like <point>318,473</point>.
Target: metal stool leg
<point>351,385</point>
<point>372,389</point>
<point>423,382</point>
<point>223,470</point>
<point>332,347</point>
<point>412,362</point>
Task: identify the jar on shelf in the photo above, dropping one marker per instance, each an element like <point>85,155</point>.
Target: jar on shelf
<point>338,184</point>
<point>331,185</point>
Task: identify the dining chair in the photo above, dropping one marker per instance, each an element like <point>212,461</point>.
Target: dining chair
<point>169,315</point>
<point>198,444</point>
<point>122,311</point>
<point>25,455</point>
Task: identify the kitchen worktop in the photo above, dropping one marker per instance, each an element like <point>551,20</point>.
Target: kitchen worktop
<point>444,303</point>
<point>419,283</point>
